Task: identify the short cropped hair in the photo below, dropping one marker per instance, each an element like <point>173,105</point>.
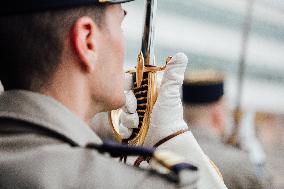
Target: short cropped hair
<point>31,45</point>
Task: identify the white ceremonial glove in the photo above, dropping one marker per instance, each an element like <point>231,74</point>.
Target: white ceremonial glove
<point>167,119</point>
<point>167,114</point>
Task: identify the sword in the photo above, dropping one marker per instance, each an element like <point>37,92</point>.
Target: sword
<point>145,80</point>
<point>233,138</point>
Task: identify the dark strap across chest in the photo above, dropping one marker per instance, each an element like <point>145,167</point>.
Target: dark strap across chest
<point>12,127</point>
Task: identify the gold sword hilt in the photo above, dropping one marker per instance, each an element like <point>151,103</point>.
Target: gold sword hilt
<point>145,91</point>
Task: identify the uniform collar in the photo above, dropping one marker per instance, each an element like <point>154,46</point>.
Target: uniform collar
<point>44,111</point>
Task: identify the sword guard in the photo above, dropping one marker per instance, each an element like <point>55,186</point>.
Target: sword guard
<point>142,68</point>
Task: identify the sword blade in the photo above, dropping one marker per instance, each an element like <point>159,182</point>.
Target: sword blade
<point>147,47</point>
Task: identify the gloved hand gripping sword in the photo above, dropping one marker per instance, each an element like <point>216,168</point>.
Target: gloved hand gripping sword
<point>145,81</point>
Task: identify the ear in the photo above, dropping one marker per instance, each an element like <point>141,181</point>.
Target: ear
<point>83,36</point>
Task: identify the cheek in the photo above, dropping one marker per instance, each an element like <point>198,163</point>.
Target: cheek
<point>112,50</point>
<point>118,53</point>
<point>111,59</point>
<point>119,49</point>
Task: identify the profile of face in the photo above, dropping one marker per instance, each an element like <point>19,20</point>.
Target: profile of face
<point>101,52</point>
<point>220,116</point>
<point>109,73</point>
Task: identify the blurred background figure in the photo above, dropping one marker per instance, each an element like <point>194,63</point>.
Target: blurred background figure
<point>207,113</point>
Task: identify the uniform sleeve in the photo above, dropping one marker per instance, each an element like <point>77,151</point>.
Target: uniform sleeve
<point>186,145</point>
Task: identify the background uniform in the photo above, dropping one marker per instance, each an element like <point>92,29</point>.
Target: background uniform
<point>207,115</point>
<point>234,164</point>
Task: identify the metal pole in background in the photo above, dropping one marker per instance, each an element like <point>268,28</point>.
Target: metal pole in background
<point>241,70</point>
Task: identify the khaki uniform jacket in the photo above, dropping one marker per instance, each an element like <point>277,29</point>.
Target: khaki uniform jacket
<point>234,164</point>
<point>42,145</point>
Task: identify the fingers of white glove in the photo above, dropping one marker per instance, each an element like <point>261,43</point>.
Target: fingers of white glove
<point>173,79</point>
<point>160,76</point>
<point>130,102</point>
<point>176,68</point>
<point>128,82</point>
<point>129,121</point>
<point>124,132</point>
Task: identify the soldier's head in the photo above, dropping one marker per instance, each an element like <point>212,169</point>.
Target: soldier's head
<point>203,99</point>
<point>58,43</point>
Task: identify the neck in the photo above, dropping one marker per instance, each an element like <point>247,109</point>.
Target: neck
<point>205,128</point>
<point>200,123</point>
<point>203,122</point>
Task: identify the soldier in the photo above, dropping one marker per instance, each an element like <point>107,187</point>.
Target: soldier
<point>205,111</point>
<point>62,63</point>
